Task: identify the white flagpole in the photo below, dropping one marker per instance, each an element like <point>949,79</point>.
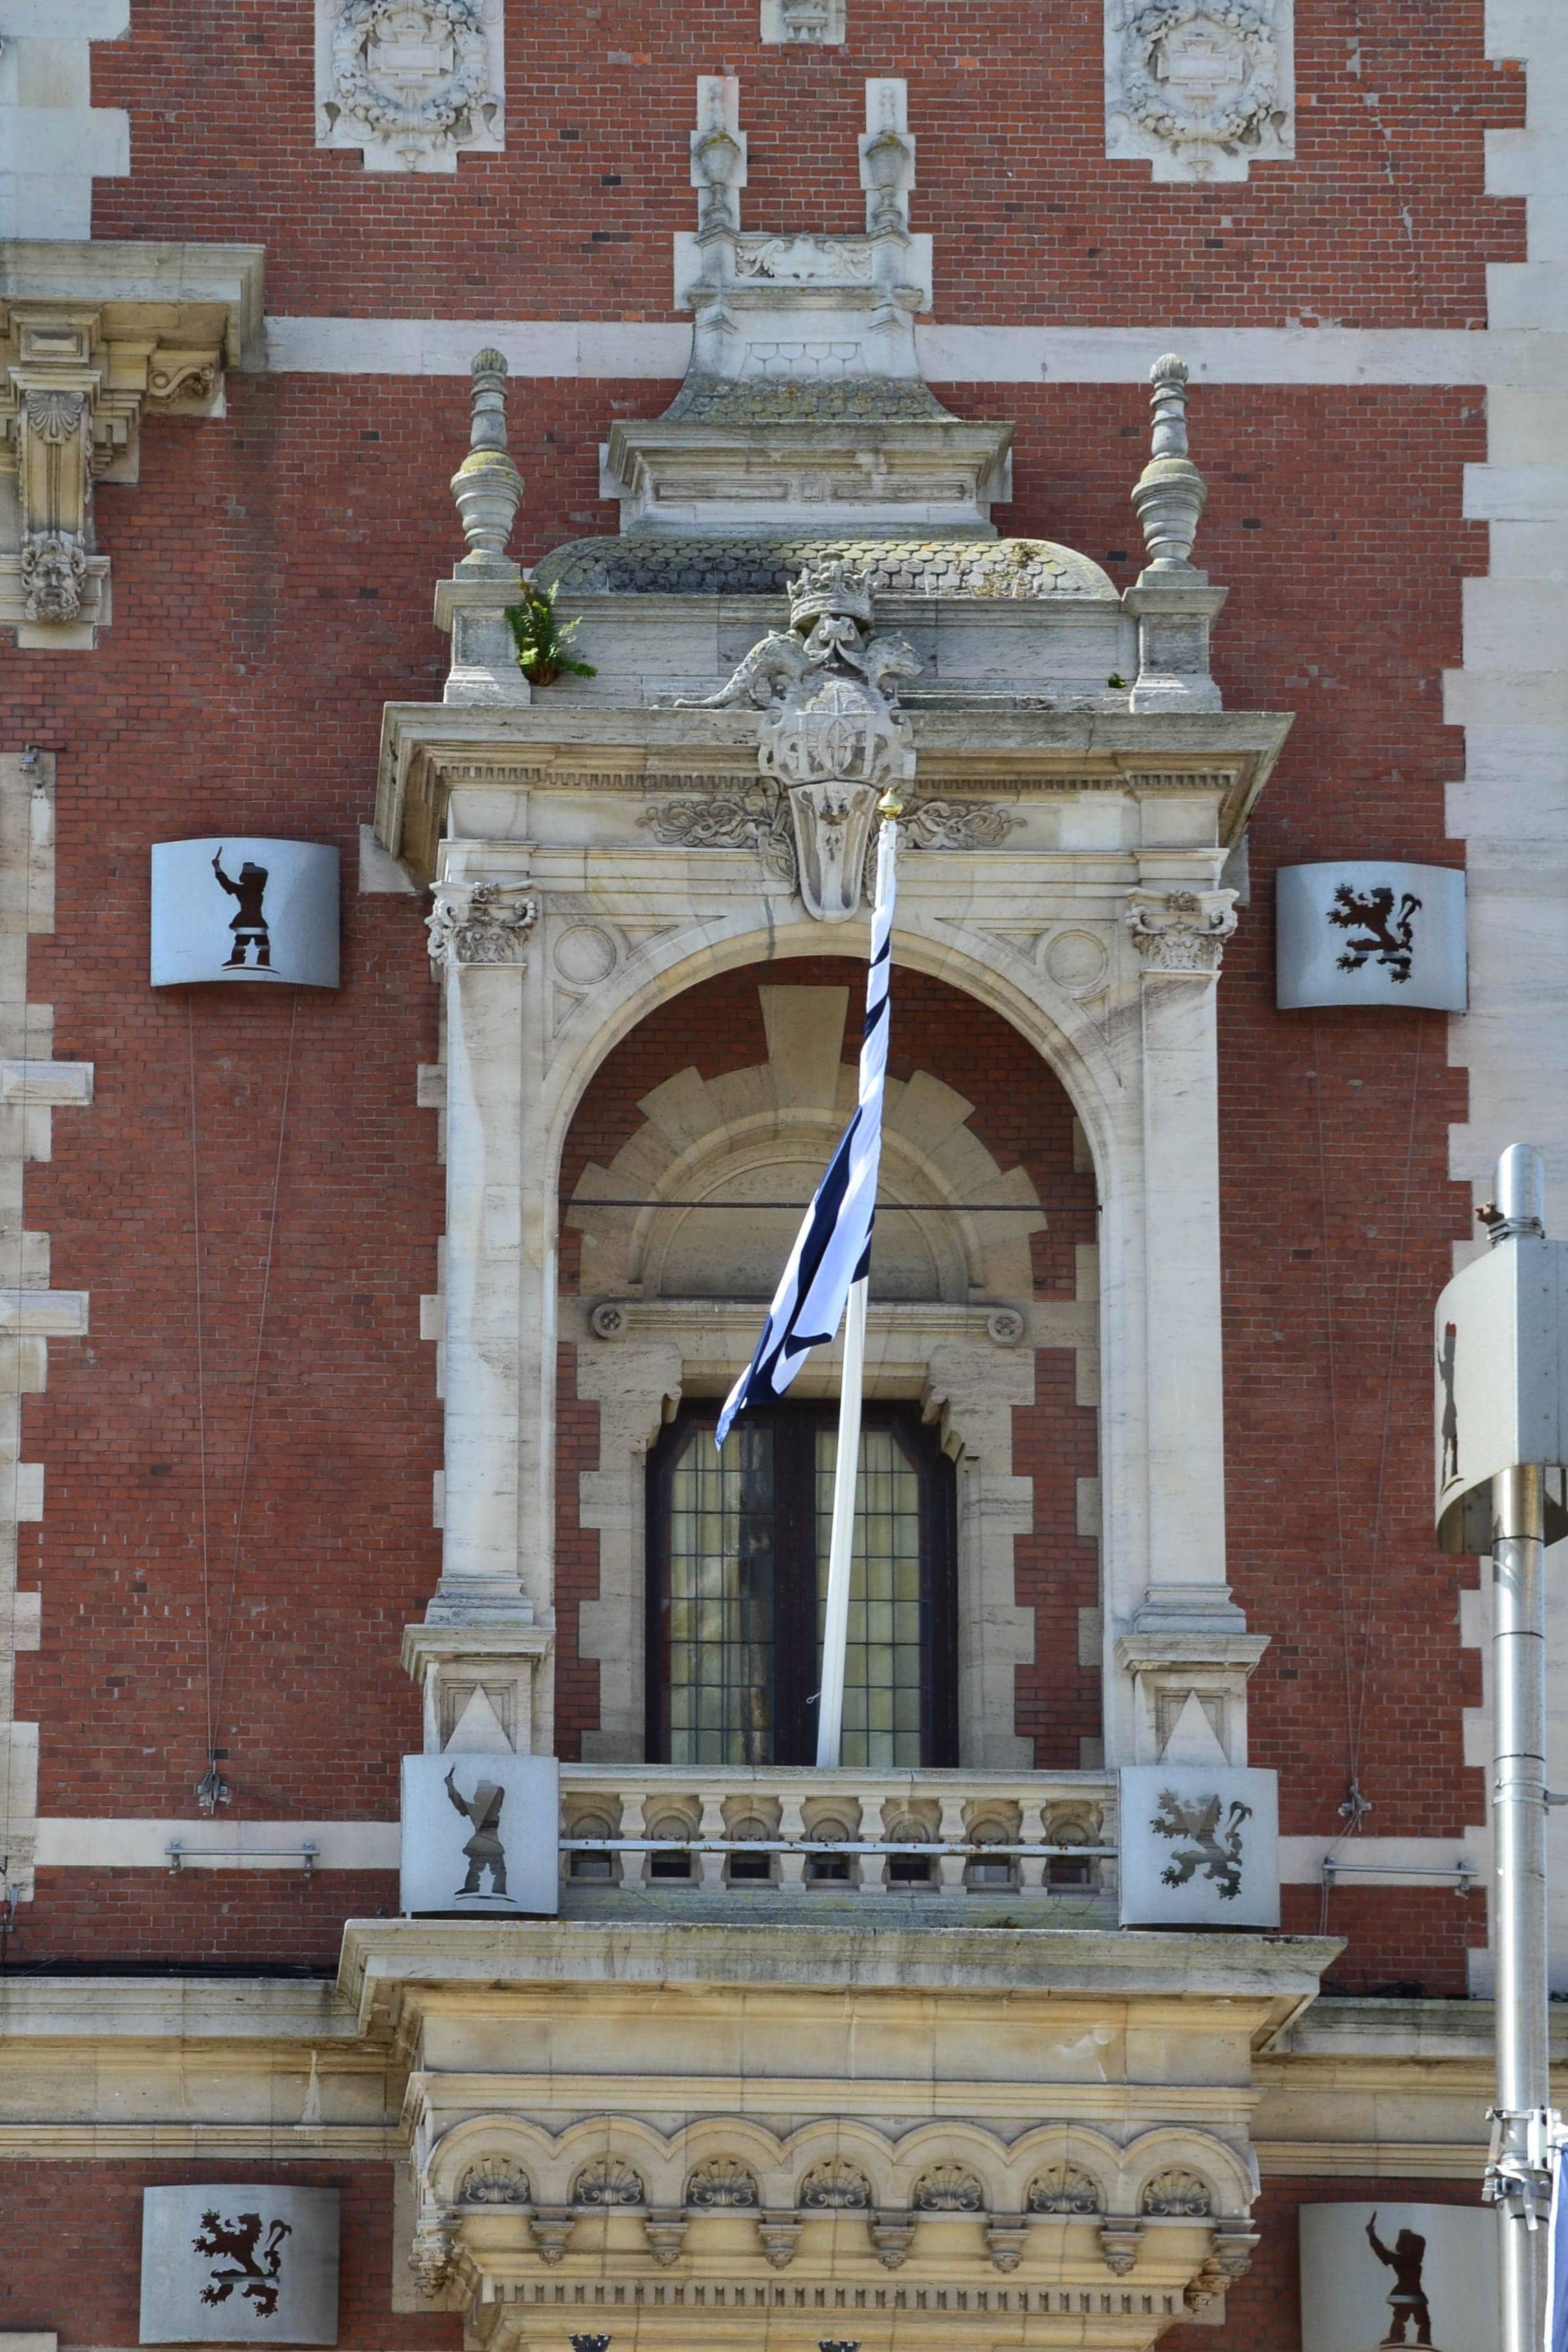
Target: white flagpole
<point>846,1469</point>
<point>841,1550</point>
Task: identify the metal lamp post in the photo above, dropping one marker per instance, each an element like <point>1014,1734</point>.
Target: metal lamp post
<point>1501,1345</point>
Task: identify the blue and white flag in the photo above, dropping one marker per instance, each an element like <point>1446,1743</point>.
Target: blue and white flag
<point>1556,2333</point>
<point>833,1247</point>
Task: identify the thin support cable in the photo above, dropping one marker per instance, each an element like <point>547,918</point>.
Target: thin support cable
<point>209,1780</point>
<point>1372,1591</point>
<point>255,1367</point>
<point>1333,1397</point>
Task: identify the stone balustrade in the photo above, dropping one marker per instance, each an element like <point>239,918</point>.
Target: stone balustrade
<point>670,1828</point>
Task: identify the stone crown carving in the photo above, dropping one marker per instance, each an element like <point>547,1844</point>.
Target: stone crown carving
<point>832,737</point>
<point>410,82</point>
<point>1202,88</point>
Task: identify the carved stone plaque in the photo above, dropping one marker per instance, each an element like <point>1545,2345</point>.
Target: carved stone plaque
<point>1200,1846</point>
<point>237,2265</point>
<point>1370,932</point>
<point>1392,2272</point>
<point>481,1835</point>
<point>239,908</point>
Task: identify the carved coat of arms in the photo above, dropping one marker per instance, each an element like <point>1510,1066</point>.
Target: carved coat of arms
<point>833,738</point>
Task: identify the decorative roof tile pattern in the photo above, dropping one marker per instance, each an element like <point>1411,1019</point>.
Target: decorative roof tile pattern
<point>642,565</point>
<point>755,400</point>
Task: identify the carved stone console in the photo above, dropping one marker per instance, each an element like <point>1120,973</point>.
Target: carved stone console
<point>98,338</point>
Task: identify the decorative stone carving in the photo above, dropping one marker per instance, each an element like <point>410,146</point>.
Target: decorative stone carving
<point>495,2180</point>
<point>1181,930</point>
<point>77,379</point>
<point>891,2236</point>
<point>948,2188</point>
<point>1119,2239</point>
<point>801,22</point>
<point>718,156</point>
<point>487,486</point>
<point>1065,2189</point>
<point>835,2186</point>
<point>957,825</point>
<point>780,2237</point>
<point>1176,2195</point>
<point>552,2227</point>
<point>607,2181</point>
<point>1005,2240</point>
<point>666,2235</point>
<point>484,923</point>
<point>721,2183</point>
<point>886,159</point>
<point>1234,2243</point>
<point>833,737</point>
<point>410,83</point>
<point>1170,493</point>
<point>430,2254</point>
<point>1203,88</point>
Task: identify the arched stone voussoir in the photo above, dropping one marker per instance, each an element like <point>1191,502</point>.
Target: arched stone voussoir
<point>1054,1025</point>
<point>526,2144</point>
<point>1230,2175</point>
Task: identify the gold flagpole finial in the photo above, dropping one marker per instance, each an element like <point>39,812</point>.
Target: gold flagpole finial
<point>889,808</point>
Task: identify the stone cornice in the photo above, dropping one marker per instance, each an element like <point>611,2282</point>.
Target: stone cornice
<point>979,745</point>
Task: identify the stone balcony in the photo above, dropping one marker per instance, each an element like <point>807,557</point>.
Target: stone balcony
<point>669,1840</point>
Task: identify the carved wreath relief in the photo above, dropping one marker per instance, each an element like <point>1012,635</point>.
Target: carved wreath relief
<point>409,82</point>
<point>1203,88</point>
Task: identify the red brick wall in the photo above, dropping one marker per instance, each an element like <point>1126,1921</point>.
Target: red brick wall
<point>70,2249</point>
<point>1380,221</point>
<point>1024,1118</point>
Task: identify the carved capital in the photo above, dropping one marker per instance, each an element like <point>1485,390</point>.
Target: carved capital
<point>1181,930</point>
<point>480,923</point>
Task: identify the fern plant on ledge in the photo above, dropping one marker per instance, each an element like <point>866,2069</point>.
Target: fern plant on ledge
<point>541,640</point>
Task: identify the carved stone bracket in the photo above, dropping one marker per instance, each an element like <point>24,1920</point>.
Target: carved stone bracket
<point>1181,930</point>
<point>1120,2238</point>
<point>482,923</point>
<point>410,83</point>
<point>780,2236</point>
<point>91,345</point>
<point>891,2235</point>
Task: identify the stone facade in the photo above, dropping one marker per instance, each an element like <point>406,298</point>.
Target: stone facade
<point>930,318</point>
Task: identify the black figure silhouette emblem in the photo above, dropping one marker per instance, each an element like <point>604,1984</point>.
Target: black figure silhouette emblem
<point>1450,1426</point>
<point>484,1850</point>
<point>1407,2297</point>
<point>256,2268</point>
<point>1385,938</point>
<point>249,923</point>
<point>1213,1852</point>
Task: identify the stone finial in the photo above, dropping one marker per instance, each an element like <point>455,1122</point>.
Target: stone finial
<point>487,486</point>
<point>1170,492</point>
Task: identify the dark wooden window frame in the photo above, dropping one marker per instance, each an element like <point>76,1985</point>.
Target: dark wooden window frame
<point>795,1427</point>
